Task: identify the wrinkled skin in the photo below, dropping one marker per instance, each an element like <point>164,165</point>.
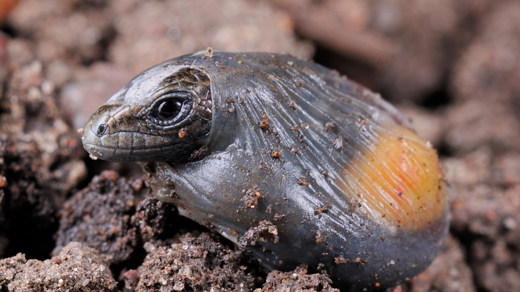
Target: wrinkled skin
<point>320,170</point>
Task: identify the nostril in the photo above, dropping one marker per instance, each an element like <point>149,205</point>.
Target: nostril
<point>101,129</point>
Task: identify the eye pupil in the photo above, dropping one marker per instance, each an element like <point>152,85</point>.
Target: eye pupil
<point>169,109</point>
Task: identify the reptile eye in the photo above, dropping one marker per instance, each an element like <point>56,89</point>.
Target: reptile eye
<point>168,109</point>
<point>171,108</point>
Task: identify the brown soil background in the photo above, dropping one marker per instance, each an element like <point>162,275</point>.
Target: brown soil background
<point>452,66</point>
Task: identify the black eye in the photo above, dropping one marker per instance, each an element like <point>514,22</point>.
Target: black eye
<point>169,109</point>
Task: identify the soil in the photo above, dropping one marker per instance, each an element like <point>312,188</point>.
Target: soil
<point>193,264</point>
<point>76,268</point>
<point>68,223</point>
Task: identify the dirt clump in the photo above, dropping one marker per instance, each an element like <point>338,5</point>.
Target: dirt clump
<point>485,86</point>
<point>76,267</point>
<point>155,220</point>
<point>297,280</point>
<point>40,157</point>
<point>174,28</point>
<point>99,217</point>
<point>485,199</point>
<point>192,264</point>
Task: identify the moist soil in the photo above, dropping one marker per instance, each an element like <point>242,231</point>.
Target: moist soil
<point>68,223</point>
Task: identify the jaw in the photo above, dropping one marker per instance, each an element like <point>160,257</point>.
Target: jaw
<point>117,154</point>
<point>134,146</point>
<point>114,133</point>
<point>166,153</point>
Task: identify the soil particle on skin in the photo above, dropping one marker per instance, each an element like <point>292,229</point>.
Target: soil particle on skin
<point>193,264</point>
<point>339,260</point>
<point>99,217</point>
<point>319,237</point>
<point>265,230</point>
<point>296,280</point>
<point>250,198</point>
<point>76,268</point>
<point>303,181</point>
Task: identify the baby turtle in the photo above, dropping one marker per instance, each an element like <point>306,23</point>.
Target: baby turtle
<point>285,158</point>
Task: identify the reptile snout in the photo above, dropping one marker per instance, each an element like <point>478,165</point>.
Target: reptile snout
<point>102,133</point>
<point>99,126</point>
<point>106,120</point>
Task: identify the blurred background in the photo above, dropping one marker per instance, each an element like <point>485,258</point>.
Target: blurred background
<point>452,66</point>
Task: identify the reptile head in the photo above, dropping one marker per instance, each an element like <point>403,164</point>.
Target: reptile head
<point>163,114</point>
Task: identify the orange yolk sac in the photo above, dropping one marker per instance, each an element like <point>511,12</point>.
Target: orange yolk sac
<point>398,182</point>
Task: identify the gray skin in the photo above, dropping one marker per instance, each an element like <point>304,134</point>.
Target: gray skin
<point>224,173</point>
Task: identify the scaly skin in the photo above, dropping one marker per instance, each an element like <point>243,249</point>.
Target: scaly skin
<point>323,170</point>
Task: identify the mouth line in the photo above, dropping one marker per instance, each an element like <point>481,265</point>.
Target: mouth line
<point>118,154</point>
<point>102,147</point>
<point>98,147</point>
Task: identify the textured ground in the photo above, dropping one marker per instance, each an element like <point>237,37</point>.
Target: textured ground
<point>452,66</point>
